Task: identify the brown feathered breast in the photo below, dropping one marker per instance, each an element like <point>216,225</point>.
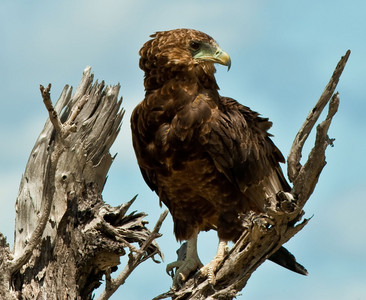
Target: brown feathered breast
<point>207,157</point>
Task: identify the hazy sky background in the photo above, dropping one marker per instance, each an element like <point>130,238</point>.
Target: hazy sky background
<point>283,54</point>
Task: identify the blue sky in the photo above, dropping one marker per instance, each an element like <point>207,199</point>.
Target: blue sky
<point>283,53</point>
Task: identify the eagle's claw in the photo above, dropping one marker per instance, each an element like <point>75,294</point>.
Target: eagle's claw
<point>210,269</point>
<point>183,269</point>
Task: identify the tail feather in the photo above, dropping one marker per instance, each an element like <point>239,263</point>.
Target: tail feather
<point>285,259</point>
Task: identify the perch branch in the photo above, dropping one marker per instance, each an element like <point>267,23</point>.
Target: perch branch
<point>134,260</point>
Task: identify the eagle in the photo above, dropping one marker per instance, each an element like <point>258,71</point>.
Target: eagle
<point>209,158</point>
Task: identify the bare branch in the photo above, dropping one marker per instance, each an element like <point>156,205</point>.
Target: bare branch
<point>293,160</point>
<point>256,244</point>
<point>45,92</point>
<point>134,260</point>
<point>308,176</point>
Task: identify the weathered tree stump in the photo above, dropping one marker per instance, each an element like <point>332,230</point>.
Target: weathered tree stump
<point>66,236</point>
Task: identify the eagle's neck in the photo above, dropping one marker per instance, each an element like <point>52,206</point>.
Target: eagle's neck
<point>165,100</point>
<point>201,75</point>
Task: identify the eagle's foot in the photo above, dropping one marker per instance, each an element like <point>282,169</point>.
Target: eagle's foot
<point>183,269</point>
<point>210,269</point>
<point>188,262</point>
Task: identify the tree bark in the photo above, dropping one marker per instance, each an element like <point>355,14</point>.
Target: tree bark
<point>66,236</point>
<point>267,232</point>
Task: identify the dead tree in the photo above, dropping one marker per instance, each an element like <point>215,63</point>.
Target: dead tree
<point>67,237</point>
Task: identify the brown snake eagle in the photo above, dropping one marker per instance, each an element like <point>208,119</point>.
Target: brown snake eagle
<point>209,158</point>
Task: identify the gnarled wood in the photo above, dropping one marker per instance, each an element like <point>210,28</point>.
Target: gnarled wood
<point>66,236</point>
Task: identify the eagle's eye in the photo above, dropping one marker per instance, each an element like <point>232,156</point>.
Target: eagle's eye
<point>194,45</point>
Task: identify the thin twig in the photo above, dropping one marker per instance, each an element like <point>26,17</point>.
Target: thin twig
<point>54,118</point>
<point>134,260</point>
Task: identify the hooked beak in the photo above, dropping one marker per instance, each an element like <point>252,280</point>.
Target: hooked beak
<point>221,57</point>
<point>214,54</point>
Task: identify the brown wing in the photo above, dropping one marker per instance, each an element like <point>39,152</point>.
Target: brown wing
<point>141,137</point>
<point>234,136</point>
<point>162,133</point>
<point>241,148</point>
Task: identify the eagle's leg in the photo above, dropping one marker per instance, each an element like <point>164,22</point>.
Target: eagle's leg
<point>210,269</point>
<point>184,267</point>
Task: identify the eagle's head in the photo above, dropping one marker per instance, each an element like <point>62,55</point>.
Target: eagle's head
<point>180,52</point>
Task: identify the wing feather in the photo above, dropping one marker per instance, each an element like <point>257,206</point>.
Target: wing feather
<point>240,145</point>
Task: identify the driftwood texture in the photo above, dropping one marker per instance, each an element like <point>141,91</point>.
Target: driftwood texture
<point>66,237</point>
<point>283,219</point>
